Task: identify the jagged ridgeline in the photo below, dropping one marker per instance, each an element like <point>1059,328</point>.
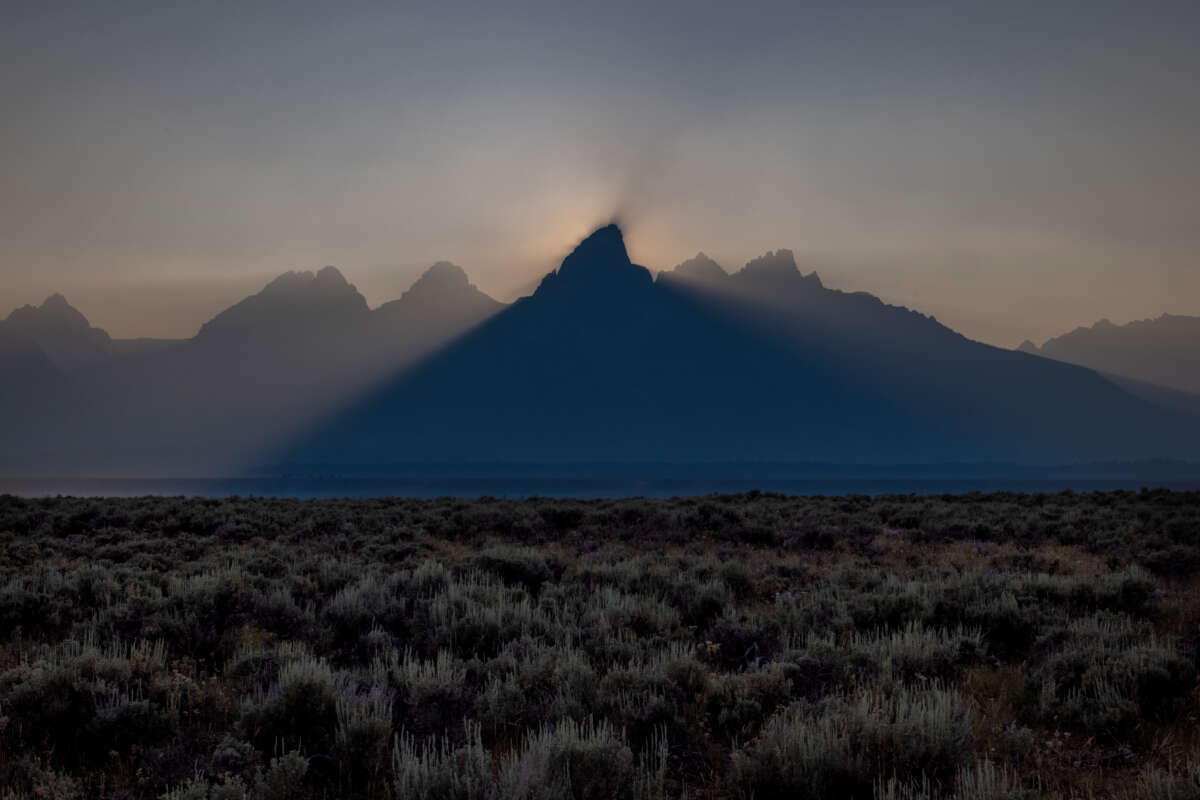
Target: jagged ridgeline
<point>603,362</point>
<point>77,401</point>
<point>1164,351</point>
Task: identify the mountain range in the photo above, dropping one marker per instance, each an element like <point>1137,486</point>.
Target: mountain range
<point>603,361</point>
<point>1164,351</point>
<point>252,375</point>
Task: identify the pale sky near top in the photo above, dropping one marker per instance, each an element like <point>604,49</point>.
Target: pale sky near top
<point>1014,168</point>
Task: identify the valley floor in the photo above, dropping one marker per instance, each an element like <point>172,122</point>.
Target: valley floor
<point>735,646</point>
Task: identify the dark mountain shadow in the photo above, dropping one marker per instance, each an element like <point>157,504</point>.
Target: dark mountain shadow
<point>440,305</point>
<point>604,363</point>
<point>1162,396</point>
<point>601,362</point>
<point>1163,351</point>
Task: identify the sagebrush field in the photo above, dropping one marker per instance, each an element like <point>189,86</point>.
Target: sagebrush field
<point>749,646</point>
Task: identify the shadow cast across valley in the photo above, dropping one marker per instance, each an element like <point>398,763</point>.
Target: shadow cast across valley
<point>604,363</point>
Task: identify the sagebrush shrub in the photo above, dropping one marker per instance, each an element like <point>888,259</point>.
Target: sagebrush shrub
<point>433,769</point>
<point>363,739</point>
<point>88,696</point>
<point>583,760</point>
<point>537,684</point>
<point>521,566</point>
<point>431,696</point>
<point>1106,673</point>
<point>299,710</point>
<point>282,780</point>
<point>982,780</point>
<point>265,626</point>
<point>842,746</point>
<point>741,702</point>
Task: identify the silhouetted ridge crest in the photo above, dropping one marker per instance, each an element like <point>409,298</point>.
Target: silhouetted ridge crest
<point>441,278</point>
<point>599,365</point>
<point>1164,350</point>
<point>292,299</point>
<point>445,288</point>
<point>55,312</point>
<point>57,305</point>
<point>331,277</point>
<point>773,262</point>
<point>599,263</point>
<point>697,269</point>
<point>775,266</point>
<point>301,280</point>
<point>61,331</point>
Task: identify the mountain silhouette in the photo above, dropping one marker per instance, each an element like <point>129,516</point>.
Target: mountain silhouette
<point>1163,351</point>
<point>604,363</point>
<point>61,331</point>
<point>295,301</point>
<point>68,340</point>
<point>776,268</point>
<point>1176,400</point>
<point>599,268</point>
<point>254,374</point>
<point>440,305</point>
<point>699,270</point>
<point>443,284</point>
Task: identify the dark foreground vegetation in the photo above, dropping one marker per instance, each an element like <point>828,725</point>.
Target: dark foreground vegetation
<point>753,646</point>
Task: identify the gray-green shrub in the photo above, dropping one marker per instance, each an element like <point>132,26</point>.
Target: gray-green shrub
<point>841,746</point>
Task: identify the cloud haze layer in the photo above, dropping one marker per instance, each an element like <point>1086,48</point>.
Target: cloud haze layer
<point>1014,169</point>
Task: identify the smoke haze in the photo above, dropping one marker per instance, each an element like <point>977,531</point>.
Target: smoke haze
<point>1014,170</point>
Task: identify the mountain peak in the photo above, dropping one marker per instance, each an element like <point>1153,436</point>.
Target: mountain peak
<point>293,280</point>
<point>1162,351</point>
<point>772,263</point>
<point>699,268</point>
<point>598,263</point>
<point>54,311</point>
<point>56,302</point>
<point>775,266</point>
<point>331,276</point>
<point>441,277</point>
<point>61,331</point>
<point>604,246</point>
<point>444,290</point>
<point>287,281</point>
<point>321,300</point>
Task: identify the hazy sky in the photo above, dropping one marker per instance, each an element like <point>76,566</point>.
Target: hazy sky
<point>1015,168</point>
